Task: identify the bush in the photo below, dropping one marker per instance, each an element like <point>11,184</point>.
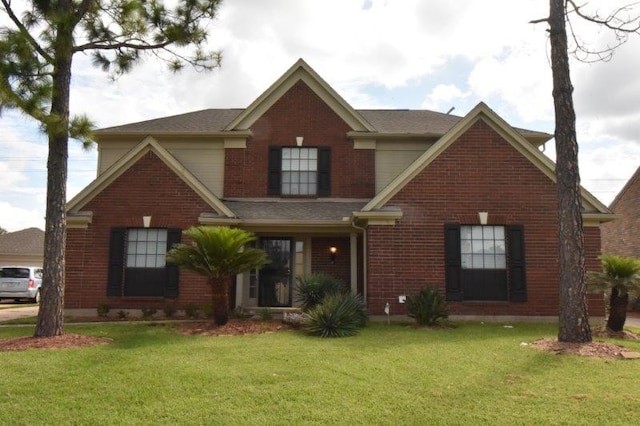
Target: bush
<point>207,310</point>
<point>192,311</point>
<point>338,315</point>
<point>147,313</point>
<point>103,310</point>
<point>428,307</point>
<point>123,315</point>
<point>266,314</point>
<point>312,288</point>
<point>169,310</point>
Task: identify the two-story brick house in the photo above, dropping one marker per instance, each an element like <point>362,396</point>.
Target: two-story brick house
<point>387,200</point>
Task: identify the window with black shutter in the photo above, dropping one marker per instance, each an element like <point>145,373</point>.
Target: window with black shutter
<point>137,263</point>
<point>299,171</point>
<point>485,263</point>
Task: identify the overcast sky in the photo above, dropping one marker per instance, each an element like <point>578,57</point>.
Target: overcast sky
<point>413,54</point>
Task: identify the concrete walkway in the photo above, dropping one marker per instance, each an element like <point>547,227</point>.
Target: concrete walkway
<point>17,311</point>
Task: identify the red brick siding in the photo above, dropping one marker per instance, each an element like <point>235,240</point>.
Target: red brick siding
<point>622,236</point>
<point>320,260</point>
<point>299,112</point>
<point>149,187</point>
<point>478,172</point>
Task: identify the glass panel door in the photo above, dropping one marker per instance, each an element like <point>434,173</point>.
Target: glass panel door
<point>274,289</point>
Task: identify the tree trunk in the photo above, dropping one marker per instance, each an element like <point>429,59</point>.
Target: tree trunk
<point>573,318</point>
<point>220,300</point>
<point>618,303</point>
<point>51,314</point>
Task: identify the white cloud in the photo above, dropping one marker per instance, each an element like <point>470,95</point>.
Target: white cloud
<point>362,48</point>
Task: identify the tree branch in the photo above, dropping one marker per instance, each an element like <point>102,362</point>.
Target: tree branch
<point>23,30</point>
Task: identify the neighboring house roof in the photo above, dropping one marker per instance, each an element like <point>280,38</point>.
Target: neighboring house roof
<point>632,180</point>
<point>28,241</point>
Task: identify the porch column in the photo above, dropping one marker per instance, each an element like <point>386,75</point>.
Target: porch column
<point>353,245</point>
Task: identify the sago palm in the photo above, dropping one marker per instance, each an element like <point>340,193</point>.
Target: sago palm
<point>219,253</point>
<point>620,275</point>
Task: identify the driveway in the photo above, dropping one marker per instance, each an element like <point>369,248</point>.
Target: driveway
<point>16,311</point>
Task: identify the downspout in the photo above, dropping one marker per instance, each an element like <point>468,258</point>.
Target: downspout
<point>364,257</point>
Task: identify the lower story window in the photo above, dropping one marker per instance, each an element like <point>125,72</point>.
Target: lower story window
<point>485,263</point>
<point>137,263</point>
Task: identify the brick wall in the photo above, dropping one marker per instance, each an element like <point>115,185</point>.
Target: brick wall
<point>320,260</point>
<point>299,112</point>
<point>148,188</point>
<point>622,236</point>
<point>478,172</point>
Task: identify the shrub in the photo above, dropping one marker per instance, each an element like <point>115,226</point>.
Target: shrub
<point>338,315</point>
<point>148,313</point>
<point>312,288</point>
<point>192,311</point>
<point>428,307</point>
<point>169,310</point>
<point>103,310</point>
<point>266,314</point>
<point>207,310</point>
<point>123,314</point>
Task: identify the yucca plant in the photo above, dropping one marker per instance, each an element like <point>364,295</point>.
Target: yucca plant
<point>620,276</point>
<point>428,307</point>
<point>338,315</point>
<point>311,289</point>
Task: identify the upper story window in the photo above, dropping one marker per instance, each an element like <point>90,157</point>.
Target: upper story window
<point>299,171</point>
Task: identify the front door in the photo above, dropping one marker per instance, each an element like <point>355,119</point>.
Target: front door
<point>275,282</point>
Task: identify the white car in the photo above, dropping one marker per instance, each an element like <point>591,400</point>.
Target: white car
<point>20,282</point>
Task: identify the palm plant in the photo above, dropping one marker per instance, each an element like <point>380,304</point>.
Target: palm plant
<point>428,307</point>
<point>338,315</point>
<point>620,276</point>
<point>219,253</point>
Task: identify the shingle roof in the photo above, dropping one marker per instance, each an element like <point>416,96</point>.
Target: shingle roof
<point>400,121</point>
<point>26,241</point>
<point>207,120</point>
<point>311,210</point>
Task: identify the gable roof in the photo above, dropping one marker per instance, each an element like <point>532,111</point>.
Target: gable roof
<point>511,135</point>
<point>204,121</point>
<point>632,180</point>
<point>26,241</point>
<point>300,71</point>
<point>124,163</point>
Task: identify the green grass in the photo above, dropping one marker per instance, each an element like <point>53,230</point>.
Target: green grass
<point>388,374</point>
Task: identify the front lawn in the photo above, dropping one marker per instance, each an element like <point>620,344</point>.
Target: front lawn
<point>388,374</point>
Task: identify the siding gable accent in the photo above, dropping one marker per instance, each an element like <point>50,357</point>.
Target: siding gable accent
<point>512,136</point>
<point>117,169</point>
<point>300,71</point>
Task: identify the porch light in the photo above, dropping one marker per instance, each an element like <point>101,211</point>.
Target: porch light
<point>332,254</point>
<point>299,140</point>
<point>146,221</point>
<point>483,217</point>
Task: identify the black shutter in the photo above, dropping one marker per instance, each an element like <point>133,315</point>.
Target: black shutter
<point>116,261</point>
<point>324,169</point>
<point>453,262</point>
<point>171,289</point>
<point>275,171</point>
<point>516,264</point>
